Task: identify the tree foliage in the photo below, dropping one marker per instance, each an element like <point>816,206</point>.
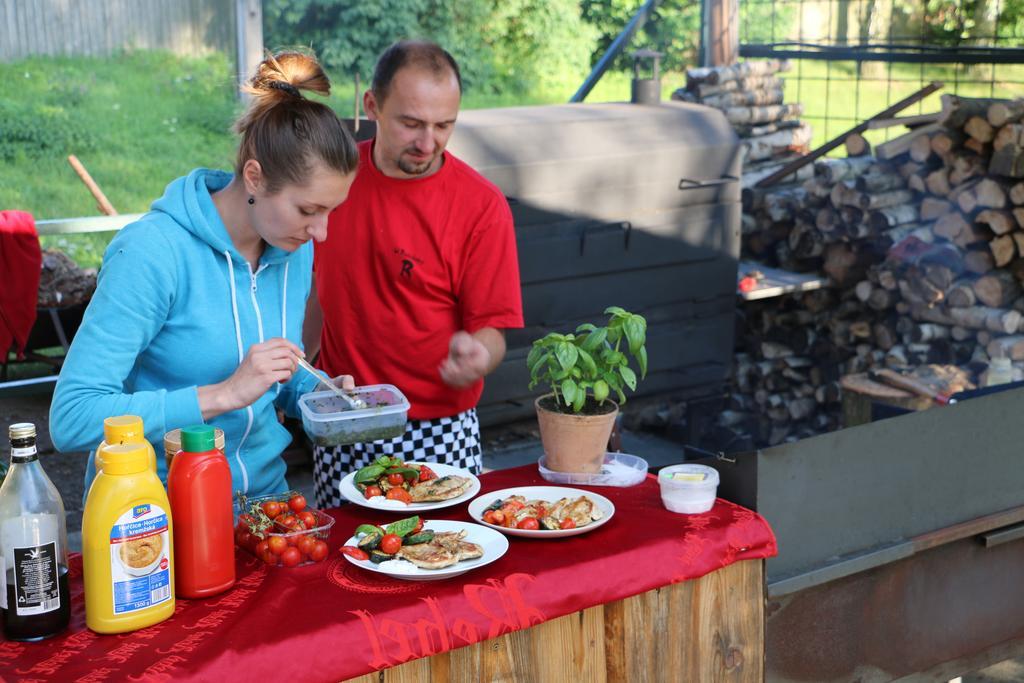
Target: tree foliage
<point>512,46</point>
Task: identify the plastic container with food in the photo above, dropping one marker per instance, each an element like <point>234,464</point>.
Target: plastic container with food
<point>330,421</point>
<point>281,530</point>
<point>689,489</point>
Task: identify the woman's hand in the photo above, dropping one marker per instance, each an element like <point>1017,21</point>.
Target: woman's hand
<point>263,365</point>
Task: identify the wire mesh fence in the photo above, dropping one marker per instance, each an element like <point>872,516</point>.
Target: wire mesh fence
<point>853,58</point>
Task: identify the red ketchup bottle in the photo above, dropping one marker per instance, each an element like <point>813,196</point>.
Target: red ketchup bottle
<point>199,489</point>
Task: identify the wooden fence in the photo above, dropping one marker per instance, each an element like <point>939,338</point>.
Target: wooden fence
<point>103,27</point>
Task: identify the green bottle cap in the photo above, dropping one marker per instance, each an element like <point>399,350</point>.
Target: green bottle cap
<point>197,439</point>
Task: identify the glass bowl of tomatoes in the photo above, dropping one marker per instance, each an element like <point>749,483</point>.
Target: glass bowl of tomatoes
<point>281,529</point>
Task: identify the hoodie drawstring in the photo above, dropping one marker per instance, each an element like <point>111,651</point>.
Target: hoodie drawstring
<point>241,357</point>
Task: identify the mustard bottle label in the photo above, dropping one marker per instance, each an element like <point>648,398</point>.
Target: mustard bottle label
<point>139,565</point>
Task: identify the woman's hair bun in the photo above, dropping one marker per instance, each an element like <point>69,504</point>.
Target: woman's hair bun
<point>286,74</point>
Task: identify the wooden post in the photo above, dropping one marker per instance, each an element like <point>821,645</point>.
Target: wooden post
<point>721,32</point>
<point>249,38</point>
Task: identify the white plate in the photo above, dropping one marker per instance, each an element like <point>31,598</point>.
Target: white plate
<point>354,495</point>
<point>494,544</point>
<point>548,493</point>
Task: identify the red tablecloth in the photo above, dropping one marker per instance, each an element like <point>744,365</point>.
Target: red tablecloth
<point>332,620</point>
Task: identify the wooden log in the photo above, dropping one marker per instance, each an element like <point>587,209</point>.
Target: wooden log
<point>1018,241</point>
<point>922,233</point>
<point>979,261</point>
<point>713,75</point>
<point>960,334</point>
<point>938,182</point>
<point>774,144</point>
<point>911,168</point>
<point>757,130</point>
<point>752,175</point>
<point>961,294</point>
<point>836,170</point>
<point>978,147</point>
<point>925,332</point>
<point>1001,113</point>
<point>933,208</point>
<point>843,193</point>
<point>1011,135</point>
<point>1008,161</point>
<point>826,219</point>
<point>1016,194</point>
<point>999,222</point>
<point>964,188</point>
<point>966,166</point>
<point>857,145</point>
<point>771,112</point>
<point>1003,250</point>
<point>1011,347</point>
<point>950,225</point>
<point>979,128</point>
<point>921,149</point>
<point>991,193</point>
<point>915,182</point>
<point>973,317</point>
<point>1018,215</point>
<point>1017,269</point>
<point>996,289</point>
<point>882,200</point>
<point>901,145</point>
<point>879,182</point>
<point>744,98</point>
<point>957,110</point>
<point>702,90</point>
<point>945,140</point>
<point>940,275</point>
<point>890,217</point>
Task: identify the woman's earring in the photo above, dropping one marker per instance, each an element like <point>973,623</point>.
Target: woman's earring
<point>252,200</point>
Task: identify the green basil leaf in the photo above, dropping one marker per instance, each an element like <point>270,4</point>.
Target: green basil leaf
<point>628,376</point>
<point>641,359</point>
<point>569,390</point>
<point>595,339</point>
<point>369,473</point>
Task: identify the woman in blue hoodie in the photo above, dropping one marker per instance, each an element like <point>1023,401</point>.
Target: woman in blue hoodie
<point>197,315</point>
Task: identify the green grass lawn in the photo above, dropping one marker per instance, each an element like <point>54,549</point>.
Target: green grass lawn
<point>140,120</point>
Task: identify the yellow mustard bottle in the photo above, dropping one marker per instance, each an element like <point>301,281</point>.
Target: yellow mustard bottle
<point>127,558</point>
<point>124,429</point>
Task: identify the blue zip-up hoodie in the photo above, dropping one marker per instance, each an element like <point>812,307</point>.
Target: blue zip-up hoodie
<point>177,307</point>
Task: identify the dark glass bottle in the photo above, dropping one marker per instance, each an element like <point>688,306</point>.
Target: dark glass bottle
<point>36,600</point>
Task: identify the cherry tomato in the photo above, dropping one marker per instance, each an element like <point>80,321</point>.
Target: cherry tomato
<point>261,548</point>
<point>399,494</point>
<point>396,479</point>
<point>245,520</point>
<point>305,544</point>
<point>297,502</point>
<point>372,491</point>
<point>291,557</point>
<point>528,523</point>
<point>489,517</point>
<point>426,474</point>
<point>390,544</point>
<point>308,519</point>
<point>271,508</point>
<point>285,520</point>
<point>541,511</point>
<point>497,517</point>
<point>353,552</point>
<point>319,552</point>
<point>277,544</point>
<point>268,557</point>
<point>567,523</point>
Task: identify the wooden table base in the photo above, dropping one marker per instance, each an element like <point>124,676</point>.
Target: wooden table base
<point>707,630</point>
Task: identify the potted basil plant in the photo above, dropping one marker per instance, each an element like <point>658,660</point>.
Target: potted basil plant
<point>583,370</point>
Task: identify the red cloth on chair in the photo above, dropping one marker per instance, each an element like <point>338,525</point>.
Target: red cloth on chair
<point>21,261</point>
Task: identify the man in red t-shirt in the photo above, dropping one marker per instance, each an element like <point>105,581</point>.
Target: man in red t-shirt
<point>418,277</point>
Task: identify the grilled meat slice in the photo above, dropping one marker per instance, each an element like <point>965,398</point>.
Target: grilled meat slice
<point>452,542</point>
<point>443,488</point>
<point>582,511</point>
<point>428,555</point>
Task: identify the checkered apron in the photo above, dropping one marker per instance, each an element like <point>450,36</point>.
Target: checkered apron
<point>448,440</point>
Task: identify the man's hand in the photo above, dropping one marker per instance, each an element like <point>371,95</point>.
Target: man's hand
<point>343,382</point>
<point>468,360</point>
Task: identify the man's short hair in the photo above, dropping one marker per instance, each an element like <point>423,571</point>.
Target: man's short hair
<point>420,53</point>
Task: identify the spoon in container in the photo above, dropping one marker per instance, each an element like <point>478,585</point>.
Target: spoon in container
<point>351,401</point>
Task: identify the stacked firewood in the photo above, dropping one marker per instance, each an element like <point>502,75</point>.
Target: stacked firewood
<point>62,283</point>
<point>924,245</point>
<point>750,94</point>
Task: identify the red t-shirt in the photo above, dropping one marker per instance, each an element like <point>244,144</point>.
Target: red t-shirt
<point>406,264</point>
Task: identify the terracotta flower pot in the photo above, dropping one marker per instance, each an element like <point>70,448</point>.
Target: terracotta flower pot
<point>574,443</point>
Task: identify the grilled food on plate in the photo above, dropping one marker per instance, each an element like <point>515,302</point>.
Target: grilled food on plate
<point>445,488</point>
<point>515,512</point>
<point>408,482</point>
<point>407,539</point>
